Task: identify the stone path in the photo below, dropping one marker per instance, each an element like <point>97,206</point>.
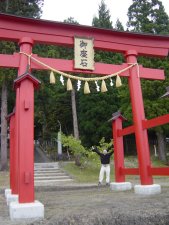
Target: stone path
<point>49,173</point>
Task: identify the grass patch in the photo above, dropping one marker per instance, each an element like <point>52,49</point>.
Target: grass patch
<point>88,174</point>
<point>4,178</point>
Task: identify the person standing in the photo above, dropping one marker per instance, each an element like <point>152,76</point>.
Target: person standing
<point>105,164</point>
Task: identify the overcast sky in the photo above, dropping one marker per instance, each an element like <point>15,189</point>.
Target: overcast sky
<point>83,11</point>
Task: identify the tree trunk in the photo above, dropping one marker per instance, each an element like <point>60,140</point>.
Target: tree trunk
<point>4,161</point>
<point>161,146</point>
<point>74,113</point>
<point>75,124</point>
<point>7,6</point>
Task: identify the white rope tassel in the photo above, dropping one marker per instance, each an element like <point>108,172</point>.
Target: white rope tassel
<point>118,81</point>
<point>103,86</point>
<point>52,78</point>
<point>69,85</point>
<point>86,88</point>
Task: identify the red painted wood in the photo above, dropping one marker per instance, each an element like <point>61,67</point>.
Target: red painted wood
<point>14,28</point>
<point>126,131</point>
<point>138,116</point>
<point>25,128</point>
<point>118,150</point>
<point>158,121</point>
<point>26,143</point>
<point>13,165</point>
<point>68,66</point>
<point>130,171</point>
<point>160,171</point>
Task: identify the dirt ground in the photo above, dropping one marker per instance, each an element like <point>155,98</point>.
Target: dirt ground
<point>96,206</point>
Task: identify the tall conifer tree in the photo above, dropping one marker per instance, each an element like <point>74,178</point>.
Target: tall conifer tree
<point>103,21</point>
<point>149,16</point>
<point>27,8</point>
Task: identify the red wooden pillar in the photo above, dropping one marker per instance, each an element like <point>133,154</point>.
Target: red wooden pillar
<point>13,166</point>
<point>138,117</point>
<point>24,85</point>
<point>118,147</point>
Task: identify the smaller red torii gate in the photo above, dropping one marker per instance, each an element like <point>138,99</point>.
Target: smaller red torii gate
<point>119,132</point>
<point>28,32</point>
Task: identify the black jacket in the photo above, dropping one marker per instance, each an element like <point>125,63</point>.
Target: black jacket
<point>104,158</point>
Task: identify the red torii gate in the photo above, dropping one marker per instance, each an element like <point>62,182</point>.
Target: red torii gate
<point>28,32</point>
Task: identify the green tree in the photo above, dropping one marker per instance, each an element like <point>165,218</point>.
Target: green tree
<point>52,103</point>
<point>150,16</point>
<point>30,8</point>
<point>26,8</point>
<point>119,25</point>
<point>73,97</point>
<point>96,108</point>
<point>103,21</point>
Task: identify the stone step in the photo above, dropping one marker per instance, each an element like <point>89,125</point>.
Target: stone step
<point>54,180</point>
<point>51,177</point>
<point>49,174</point>
<point>46,164</point>
<point>45,173</point>
<point>51,170</point>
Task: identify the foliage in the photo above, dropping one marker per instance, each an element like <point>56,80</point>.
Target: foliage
<point>86,155</point>
<point>19,8</point>
<point>104,145</point>
<point>27,8</point>
<point>93,157</point>
<point>148,16</point>
<point>95,109</point>
<point>119,25</point>
<point>103,21</point>
<point>52,105</point>
<point>70,20</point>
<point>75,147</point>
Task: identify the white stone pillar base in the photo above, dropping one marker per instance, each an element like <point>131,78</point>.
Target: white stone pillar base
<point>20,211</point>
<point>120,186</point>
<point>152,189</point>
<point>11,198</point>
<point>7,191</point>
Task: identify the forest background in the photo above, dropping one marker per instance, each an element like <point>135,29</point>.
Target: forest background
<point>86,116</point>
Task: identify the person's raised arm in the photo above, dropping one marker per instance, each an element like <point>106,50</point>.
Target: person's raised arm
<point>95,149</point>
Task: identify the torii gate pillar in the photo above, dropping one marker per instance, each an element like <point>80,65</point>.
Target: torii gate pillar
<point>138,117</point>
<point>143,152</point>
<point>119,183</point>
<point>27,207</point>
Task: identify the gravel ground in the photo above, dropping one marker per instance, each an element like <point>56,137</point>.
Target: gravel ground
<point>96,206</point>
